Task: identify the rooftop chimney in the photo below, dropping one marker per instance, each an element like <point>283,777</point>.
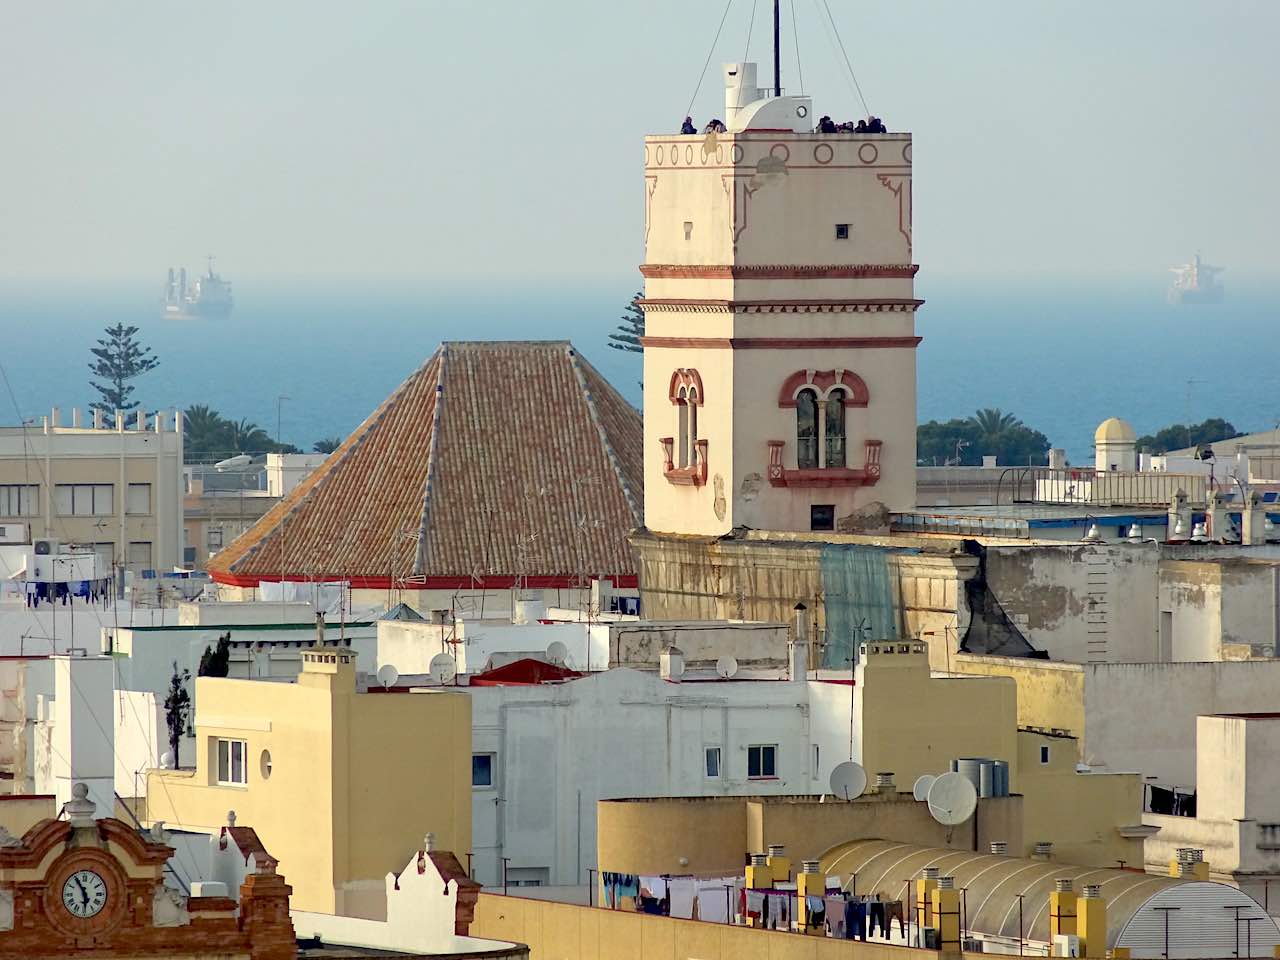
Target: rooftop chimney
<point>884,783</point>
<point>1057,458</point>
<point>671,664</point>
<point>1062,884</point>
<point>946,883</point>
<point>1000,848</point>
<point>930,873</point>
<point>808,866</point>
<point>1043,850</point>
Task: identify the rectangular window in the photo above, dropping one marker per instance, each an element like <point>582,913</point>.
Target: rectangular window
<point>231,763</point>
<point>482,769</point>
<point>762,761</point>
<point>713,763</point>
<point>215,538</point>
<point>822,516</point>
<point>1044,754</point>
<point>842,231</point>
<point>815,761</point>
<point>84,499</point>
<point>19,500</point>
<point>139,499</point>
<point>138,556</point>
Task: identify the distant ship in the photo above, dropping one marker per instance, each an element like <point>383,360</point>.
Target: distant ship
<point>1196,282</point>
<point>208,298</point>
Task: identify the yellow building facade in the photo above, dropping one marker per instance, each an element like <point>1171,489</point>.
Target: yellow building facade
<point>341,785</point>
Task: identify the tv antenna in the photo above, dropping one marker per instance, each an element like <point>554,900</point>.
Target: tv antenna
<point>442,668</point>
<point>921,788</point>
<point>952,799</point>
<point>848,780</point>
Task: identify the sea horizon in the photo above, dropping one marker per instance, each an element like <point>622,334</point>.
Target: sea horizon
<point>1059,356</point>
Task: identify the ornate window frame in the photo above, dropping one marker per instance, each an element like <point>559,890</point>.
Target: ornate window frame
<point>685,454</point>
<point>830,386</point>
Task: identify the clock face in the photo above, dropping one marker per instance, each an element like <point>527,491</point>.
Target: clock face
<point>84,894</point>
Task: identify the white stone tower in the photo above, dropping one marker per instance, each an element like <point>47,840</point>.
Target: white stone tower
<point>779,362</point>
<point>1115,446</point>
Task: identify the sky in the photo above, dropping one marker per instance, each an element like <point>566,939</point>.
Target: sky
<point>456,141</point>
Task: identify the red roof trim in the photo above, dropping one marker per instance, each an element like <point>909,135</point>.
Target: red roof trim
<point>565,581</point>
<point>524,673</point>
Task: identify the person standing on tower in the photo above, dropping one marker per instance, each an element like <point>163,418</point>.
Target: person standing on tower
<point>687,126</point>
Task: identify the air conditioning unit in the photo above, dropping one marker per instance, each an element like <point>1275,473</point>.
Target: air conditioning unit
<point>47,547</point>
<point>1066,945</point>
<point>13,533</point>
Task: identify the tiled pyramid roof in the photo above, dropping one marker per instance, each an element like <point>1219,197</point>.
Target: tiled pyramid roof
<point>493,461</point>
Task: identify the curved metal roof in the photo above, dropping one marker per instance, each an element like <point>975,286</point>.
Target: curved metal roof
<point>992,884</point>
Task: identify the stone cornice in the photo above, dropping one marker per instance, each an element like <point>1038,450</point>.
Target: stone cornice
<point>699,305</point>
<point>835,271</point>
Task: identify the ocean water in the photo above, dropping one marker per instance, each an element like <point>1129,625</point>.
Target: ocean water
<point>1061,356</point>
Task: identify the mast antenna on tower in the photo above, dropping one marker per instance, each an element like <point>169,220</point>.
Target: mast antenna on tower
<point>777,51</point>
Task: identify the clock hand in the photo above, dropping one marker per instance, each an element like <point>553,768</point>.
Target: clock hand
<point>83,892</point>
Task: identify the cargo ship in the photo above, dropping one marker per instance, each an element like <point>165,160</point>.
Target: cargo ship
<point>1196,282</point>
<point>209,297</point>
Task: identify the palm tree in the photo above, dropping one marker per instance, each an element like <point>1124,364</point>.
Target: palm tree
<point>327,445</point>
<point>247,437</point>
<point>993,421</point>
<point>206,431</point>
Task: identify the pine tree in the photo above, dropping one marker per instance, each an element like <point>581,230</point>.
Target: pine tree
<point>120,358</point>
<point>630,329</point>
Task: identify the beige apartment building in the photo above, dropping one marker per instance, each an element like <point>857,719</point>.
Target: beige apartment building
<point>113,484</point>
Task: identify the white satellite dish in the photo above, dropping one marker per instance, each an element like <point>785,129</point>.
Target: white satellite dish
<point>442,668</point>
<point>921,789</point>
<point>952,799</point>
<point>557,652</point>
<point>387,676</point>
<point>726,667</point>
<point>848,780</point>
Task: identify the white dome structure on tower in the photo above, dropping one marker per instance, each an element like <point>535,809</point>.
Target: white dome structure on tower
<point>1115,446</point>
<point>1114,430</point>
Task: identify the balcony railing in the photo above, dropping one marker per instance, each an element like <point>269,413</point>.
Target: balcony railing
<point>1090,487</point>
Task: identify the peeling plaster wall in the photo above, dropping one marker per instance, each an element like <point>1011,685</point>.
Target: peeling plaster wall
<point>1084,603</point>
<point>694,578</point>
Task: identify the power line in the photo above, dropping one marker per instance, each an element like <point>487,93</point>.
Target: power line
<point>751,25</point>
<point>795,34</point>
<point>710,53</point>
<point>845,54</point>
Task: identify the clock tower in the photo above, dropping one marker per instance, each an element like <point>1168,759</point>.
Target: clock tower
<point>780,340</point>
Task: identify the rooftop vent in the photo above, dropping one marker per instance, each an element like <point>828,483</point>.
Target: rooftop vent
<point>999,848</point>
<point>759,860</point>
<point>776,849</point>
<point>809,866</point>
<point>930,873</point>
<point>1092,891</point>
<point>1062,884</point>
<point>884,783</point>
<point>1043,849</point>
<point>946,883</point>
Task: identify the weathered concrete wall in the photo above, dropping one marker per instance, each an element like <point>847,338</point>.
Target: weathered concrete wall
<point>555,930</point>
<point>1142,716</point>
<point>1190,610</point>
<point>712,835</point>
<point>1085,603</point>
<point>762,579</point>
<point>1050,695</point>
<point>638,644</point>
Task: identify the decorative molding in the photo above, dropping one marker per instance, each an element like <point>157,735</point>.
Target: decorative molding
<point>865,476</point>
<point>650,185</point>
<point>829,271</point>
<point>706,305</point>
<point>784,343</point>
<point>824,382</point>
<point>691,380</point>
<point>694,475</point>
<point>900,186</point>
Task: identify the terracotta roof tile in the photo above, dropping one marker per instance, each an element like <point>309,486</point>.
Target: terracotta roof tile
<point>493,460</point>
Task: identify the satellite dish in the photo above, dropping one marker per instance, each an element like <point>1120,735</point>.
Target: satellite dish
<point>848,780</point>
<point>387,676</point>
<point>921,789</point>
<point>557,652</point>
<point>442,668</point>
<point>952,799</point>
<point>726,667</point>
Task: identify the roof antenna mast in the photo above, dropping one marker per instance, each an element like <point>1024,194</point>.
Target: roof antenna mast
<point>777,59</point>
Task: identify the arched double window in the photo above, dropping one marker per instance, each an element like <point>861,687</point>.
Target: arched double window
<point>834,440</point>
<point>687,400</point>
<point>807,430</point>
